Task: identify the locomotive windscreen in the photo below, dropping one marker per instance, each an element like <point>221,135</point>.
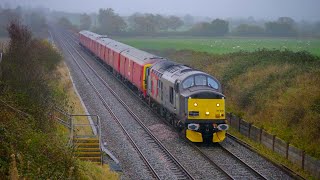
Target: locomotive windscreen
<point>206,95</point>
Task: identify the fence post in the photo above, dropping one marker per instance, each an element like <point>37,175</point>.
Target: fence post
<point>249,130</point>
<point>273,141</point>
<point>287,151</point>
<point>260,135</point>
<point>230,118</point>
<point>302,161</point>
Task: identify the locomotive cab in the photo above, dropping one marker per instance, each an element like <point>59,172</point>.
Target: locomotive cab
<point>204,111</point>
<point>189,99</point>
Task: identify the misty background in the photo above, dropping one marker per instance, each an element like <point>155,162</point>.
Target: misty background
<point>265,9</point>
<point>284,18</point>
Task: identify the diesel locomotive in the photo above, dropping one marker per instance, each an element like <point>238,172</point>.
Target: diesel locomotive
<point>190,100</point>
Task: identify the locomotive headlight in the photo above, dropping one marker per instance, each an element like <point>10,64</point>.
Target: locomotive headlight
<point>193,127</point>
<point>223,127</point>
<point>218,104</point>
<point>207,113</point>
<point>195,104</point>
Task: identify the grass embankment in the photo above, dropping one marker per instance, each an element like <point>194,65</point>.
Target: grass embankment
<point>31,145</point>
<point>76,107</point>
<point>224,45</point>
<point>276,90</point>
<point>89,170</point>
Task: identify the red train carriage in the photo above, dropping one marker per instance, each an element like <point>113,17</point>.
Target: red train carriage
<point>103,50</point>
<point>133,66</point>
<point>88,39</point>
<point>116,48</point>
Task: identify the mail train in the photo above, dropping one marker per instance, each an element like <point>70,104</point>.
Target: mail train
<point>190,100</point>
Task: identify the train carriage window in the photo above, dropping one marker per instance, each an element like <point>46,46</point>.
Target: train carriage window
<point>158,86</point>
<point>188,82</point>
<point>200,80</point>
<point>171,95</point>
<point>148,72</point>
<point>212,83</point>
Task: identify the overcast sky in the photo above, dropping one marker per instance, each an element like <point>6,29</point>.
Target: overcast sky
<point>267,9</point>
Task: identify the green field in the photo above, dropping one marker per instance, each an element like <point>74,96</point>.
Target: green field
<point>271,89</point>
<point>224,45</point>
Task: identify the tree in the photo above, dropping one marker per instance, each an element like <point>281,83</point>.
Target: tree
<point>150,23</point>
<point>147,23</point>
<point>248,30</point>
<point>36,22</point>
<point>132,20</point>
<point>162,23</point>
<point>286,20</point>
<point>64,22</point>
<point>85,21</point>
<point>202,28</point>
<point>174,22</point>
<point>316,29</point>
<point>219,27</point>
<point>188,20</point>
<point>284,26</point>
<point>7,15</point>
<point>110,22</point>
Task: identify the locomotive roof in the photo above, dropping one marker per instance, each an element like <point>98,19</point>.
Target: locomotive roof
<point>179,72</point>
<point>161,66</point>
<point>173,71</point>
<point>140,56</point>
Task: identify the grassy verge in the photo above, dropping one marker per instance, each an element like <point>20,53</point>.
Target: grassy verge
<point>76,107</point>
<point>33,145</point>
<point>87,170</point>
<point>92,171</point>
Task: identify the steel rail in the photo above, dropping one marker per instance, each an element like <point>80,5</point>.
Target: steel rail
<point>280,166</point>
<point>135,146</point>
<point>243,163</point>
<point>191,144</point>
<point>158,142</point>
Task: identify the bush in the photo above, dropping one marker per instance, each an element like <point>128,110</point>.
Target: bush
<point>274,89</point>
<point>30,146</point>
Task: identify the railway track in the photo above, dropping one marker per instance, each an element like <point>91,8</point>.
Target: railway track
<point>226,162</point>
<point>158,171</point>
